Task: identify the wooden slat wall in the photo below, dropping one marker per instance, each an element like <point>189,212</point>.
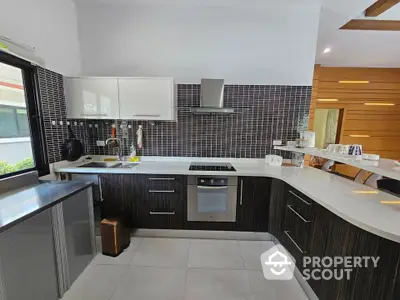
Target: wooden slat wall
<point>381,123</point>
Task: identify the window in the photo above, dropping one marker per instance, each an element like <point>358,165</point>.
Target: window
<point>22,146</point>
<point>13,122</point>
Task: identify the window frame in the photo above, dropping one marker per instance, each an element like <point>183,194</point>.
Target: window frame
<point>34,113</point>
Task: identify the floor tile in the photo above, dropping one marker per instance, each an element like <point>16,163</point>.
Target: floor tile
<point>215,254</point>
<point>160,252</point>
<point>251,252</point>
<point>151,283</point>
<point>213,284</point>
<point>274,289</point>
<point>96,283</point>
<point>123,259</point>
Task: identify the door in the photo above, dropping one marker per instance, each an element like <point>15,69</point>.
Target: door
<point>277,208</point>
<point>92,98</point>
<point>327,126</point>
<point>253,204</point>
<point>146,98</point>
<point>78,233</point>
<point>117,194</point>
<point>28,262</point>
<point>246,206</point>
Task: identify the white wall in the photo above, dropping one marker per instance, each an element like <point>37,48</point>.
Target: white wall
<point>48,25</point>
<point>264,44</point>
<point>16,149</point>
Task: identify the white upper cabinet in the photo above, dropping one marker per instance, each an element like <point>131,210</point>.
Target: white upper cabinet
<point>92,98</point>
<point>147,98</point>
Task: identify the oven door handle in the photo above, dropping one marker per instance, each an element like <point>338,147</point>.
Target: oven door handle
<point>212,187</point>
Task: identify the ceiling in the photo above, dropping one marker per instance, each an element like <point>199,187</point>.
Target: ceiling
<point>348,47</point>
<point>354,47</point>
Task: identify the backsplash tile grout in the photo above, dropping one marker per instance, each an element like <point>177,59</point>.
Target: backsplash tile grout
<point>268,113</point>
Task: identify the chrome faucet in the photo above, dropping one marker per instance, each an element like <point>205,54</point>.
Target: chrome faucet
<point>119,153</point>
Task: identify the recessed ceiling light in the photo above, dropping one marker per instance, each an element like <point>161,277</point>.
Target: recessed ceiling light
<point>327,50</point>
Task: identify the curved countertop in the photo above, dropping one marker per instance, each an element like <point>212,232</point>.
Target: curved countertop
<point>21,204</point>
<point>358,204</point>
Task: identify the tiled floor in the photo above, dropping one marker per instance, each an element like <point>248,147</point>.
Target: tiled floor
<point>177,269</point>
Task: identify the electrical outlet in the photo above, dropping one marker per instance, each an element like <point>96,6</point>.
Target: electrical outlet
<point>100,143</point>
<point>277,143</point>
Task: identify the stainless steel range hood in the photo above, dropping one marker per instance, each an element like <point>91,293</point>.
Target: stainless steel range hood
<point>212,98</point>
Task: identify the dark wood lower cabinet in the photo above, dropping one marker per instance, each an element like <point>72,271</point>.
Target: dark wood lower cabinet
<point>344,239</point>
<point>304,227</point>
<point>144,201</point>
<point>277,208</point>
<point>311,230</point>
<point>252,210</point>
<point>117,193</point>
<point>160,201</point>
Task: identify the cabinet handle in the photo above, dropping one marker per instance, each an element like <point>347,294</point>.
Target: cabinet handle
<point>158,191</point>
<point>147,115</point>
<point>100,190</point>
<point>170,213</point>
<point>160,178</point>
<point>292,240</point>
<point>297,214</point>
<point>241,192</point>
<point>301,199</point>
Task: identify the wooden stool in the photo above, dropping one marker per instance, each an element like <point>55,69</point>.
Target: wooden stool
<point>114,237</point>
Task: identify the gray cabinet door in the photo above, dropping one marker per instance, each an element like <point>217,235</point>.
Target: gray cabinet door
<point>78,232</point>
<point>28,263</point>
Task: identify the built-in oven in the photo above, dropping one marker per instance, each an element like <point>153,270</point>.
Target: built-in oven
<point>212,198</point>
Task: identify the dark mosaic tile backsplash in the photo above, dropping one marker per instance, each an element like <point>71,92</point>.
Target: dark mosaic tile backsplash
<point>265,113</point>
<point>51,93</point>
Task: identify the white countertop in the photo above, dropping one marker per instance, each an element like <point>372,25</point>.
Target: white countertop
<point>385,167</point>
<point>341,196</point>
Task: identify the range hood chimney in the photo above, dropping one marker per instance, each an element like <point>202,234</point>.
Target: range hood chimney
<point>212,98</point>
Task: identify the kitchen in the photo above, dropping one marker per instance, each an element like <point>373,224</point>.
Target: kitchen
<point>173,122</point>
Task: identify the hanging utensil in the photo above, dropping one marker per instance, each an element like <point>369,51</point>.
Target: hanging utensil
<point>73,148</point>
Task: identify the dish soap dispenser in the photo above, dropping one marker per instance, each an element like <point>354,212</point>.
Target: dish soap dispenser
<point>133,157</point>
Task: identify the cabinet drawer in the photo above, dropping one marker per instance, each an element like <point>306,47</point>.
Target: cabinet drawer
<point>159,211</point>
<point>162,201</point>
<point>164,183</point>
<point>162,220</point>
<point>303,205</point>
<point>298,230</point>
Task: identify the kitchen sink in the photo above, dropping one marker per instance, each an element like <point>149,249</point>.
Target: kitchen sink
<point>125,165</point>
<point>115,165</point>
<point>100,165</point>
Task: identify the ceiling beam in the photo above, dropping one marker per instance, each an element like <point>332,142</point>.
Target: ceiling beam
<point>380,7</point>
<point>383,25</point>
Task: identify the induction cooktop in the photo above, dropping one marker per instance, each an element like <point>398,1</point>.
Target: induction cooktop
<point>222,167</point>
